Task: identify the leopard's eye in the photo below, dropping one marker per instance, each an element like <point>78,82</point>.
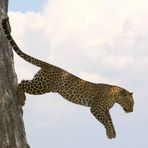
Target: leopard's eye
<point>124,93</point>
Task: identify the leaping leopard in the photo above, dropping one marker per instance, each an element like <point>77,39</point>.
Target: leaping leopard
<point>99,97</point>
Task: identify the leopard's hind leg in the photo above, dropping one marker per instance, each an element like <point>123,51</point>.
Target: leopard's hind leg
<point>34,87</point>
<point>21,95</point>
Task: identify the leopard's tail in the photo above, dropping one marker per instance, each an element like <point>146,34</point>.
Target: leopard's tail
<point>25,56</point>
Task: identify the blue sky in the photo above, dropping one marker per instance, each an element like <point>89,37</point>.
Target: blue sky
<point>26,5</point>
<point>100,41</point>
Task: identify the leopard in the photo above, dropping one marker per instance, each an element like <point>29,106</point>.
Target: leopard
<point>99,97</point>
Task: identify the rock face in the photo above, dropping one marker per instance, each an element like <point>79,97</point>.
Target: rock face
<point>12,131</point>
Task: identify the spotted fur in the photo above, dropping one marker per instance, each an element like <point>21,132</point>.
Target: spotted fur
<point>99,97</point>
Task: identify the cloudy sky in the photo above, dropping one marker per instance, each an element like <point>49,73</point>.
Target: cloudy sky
<point>97,40</point>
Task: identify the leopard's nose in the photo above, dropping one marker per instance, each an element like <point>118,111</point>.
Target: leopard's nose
<point>131,110</point>
<point>128,110</point>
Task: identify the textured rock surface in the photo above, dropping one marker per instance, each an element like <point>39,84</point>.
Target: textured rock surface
<point>12,132</point>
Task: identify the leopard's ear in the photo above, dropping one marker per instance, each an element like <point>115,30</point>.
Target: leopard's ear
<point>131,93</point>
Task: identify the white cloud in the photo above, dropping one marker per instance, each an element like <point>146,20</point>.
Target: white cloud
<point>93,77</point>
<point>69,30</point>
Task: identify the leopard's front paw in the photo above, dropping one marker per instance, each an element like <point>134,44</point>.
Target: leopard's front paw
<point>111,133</point>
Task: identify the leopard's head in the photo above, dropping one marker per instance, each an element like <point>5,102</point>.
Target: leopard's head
<point>125,99</point>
